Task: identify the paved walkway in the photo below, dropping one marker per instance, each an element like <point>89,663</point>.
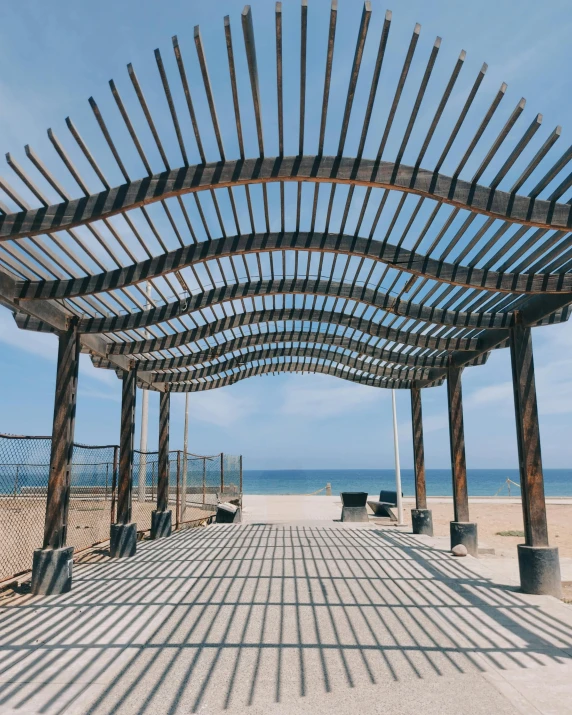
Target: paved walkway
<point>286,619</point>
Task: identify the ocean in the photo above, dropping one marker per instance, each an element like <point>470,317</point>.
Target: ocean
<point>481,482</point>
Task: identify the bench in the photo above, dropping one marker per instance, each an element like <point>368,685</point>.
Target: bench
<point>353,506</point>
<point>383,507</point>
<point>228,514</point>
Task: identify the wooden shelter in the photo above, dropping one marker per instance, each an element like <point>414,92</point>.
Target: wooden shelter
<point>370,264</point>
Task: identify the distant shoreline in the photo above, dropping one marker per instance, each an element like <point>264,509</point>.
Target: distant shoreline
<point>481,482</point>
<point>435,499</point>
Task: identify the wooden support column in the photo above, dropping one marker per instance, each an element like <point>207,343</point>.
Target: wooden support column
<point>57,505</point>
<point>418,450</point>
<point>161,518</point>
<point>163,477</point>
<point>126,442</point>
<point>462,531</point>
<point>123,535</point>
<point>457,443</point>
<point>539,564</point>
<point>421,517</point>
<point>52,564</point>
<point>528,436</point>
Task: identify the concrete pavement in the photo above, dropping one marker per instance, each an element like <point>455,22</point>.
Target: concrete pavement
<point>266,618</point>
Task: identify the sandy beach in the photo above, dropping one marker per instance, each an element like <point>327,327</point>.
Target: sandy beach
<point>492,514</point>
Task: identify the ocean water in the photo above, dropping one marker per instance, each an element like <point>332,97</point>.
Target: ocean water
<point>481,482</point>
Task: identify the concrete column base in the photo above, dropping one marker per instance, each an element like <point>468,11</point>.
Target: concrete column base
<point>465,532</point>
<point>539,568</point>
<point>354,513</point>
<point>161,525</point>
<point>123,541</point>
<point>52,571</point>
<point>422,521</point>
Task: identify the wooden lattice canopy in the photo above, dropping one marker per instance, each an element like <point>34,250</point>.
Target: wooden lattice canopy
<point>376,267</point>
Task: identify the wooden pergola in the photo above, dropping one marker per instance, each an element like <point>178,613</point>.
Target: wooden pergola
<point>378,268</point>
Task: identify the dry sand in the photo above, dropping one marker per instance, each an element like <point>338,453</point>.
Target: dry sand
<point>491,514</point>
<point>492,517</point>
<point>22,527</point>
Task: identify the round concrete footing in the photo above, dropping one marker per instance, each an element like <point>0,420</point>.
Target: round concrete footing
<point>123,540</point>
<point>539,568</point>
<point>465,532</point>
<point>422,521</point>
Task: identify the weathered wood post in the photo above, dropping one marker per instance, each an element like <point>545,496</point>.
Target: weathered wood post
<point>161,523</point>
<point>421,517</point>
<point>538,562</point>
<point>52,564</point>
<point>123,536</point>
<point>462,530</point>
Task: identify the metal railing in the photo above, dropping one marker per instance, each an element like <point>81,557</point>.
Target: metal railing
<point>196,483</point>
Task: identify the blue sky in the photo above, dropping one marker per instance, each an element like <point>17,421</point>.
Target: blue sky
<point>55,56</point>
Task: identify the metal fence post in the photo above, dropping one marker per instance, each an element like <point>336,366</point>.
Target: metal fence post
<point>221,473</point>
<point>114,481</point>
<point>204,479</point>
<point>178,494</point>
<point>240,478</point>
<point>16,482</point>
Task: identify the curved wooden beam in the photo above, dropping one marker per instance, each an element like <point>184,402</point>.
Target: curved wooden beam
<point>293,336</point>
<point>265,352</point>
<point>277,368</point>
<point>246,371</point>
<point>394,256</point>
<point>363,325</point>
<point>302,286</point>
<point>362,172</point>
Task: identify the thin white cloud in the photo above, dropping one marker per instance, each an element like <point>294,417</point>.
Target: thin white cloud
<point>320,396</point>
<point>42,344</point>
<point>45,346</point>
<point>553,389</point>
<point>220,407</point>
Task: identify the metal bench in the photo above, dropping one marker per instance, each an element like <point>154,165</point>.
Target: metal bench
<point>383,507</point>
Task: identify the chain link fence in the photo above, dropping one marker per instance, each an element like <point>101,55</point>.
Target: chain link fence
<point>196,484</point>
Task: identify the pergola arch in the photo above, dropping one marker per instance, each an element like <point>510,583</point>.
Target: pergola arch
<point>475,252</point>
<point>293,315</point>
<point>439,261</point>
<point>316,354</point>
<point>299,336</point>
<point>302,366</point>
<point>485,200</point>
<point>330,288</point>
<point>391,255</point>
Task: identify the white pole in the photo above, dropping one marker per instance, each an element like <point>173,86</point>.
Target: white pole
<point>185,458</point>
<point>397,467</point>
<point>144,425</point>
